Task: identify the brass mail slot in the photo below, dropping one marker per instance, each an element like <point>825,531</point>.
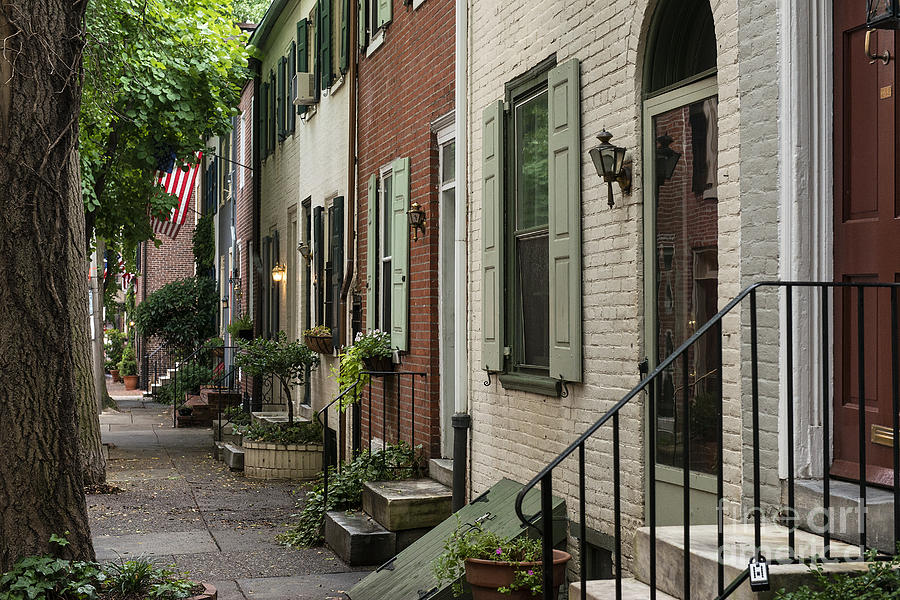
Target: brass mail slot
<point>883,436</point>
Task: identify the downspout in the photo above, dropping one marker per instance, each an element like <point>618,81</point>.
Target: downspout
<point>255,173</point>
<point>461,420</point>
<point>350,202</point>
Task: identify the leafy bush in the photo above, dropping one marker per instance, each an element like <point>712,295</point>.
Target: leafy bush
<point>236,415</point>
<point>880,582</point>
<point>143,579</point>
<point>190,377</point>
<point>286,361</point>
<point>182,313</point>
<point>345,487</point>
<point>349,370</point>
<point>115,340</point>
<point>309,432</point>
<point>128,364</point>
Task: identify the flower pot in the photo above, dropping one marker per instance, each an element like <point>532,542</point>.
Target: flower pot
<point>485,576</point>
<point>378,363</point>
<point>131,382</point>
<point>115,375</point>
<point>323,344</point>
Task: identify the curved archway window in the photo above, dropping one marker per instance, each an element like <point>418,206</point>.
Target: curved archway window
<point>682,45</point>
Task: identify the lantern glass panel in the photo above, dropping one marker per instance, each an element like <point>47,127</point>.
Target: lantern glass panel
<point>881,14</point>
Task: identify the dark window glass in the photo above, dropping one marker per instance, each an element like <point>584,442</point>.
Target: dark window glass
<point>534,289</point>
<point>531,161</point>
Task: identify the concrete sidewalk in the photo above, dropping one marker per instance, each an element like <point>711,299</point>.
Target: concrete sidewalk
<point>181,507</point>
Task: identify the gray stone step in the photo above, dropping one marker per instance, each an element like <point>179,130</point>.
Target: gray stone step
<point>441,470</point>
<point>739,544</point>
<point>407,504</point>
<point>605,589</point>
<point>358,539</point>
<point>234,457</point>
<point>219,450</point>
<point>844,512</point>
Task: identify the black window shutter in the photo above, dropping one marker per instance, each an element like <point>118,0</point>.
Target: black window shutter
<point>345,36</point>
<point>325,43</point>
<point>272,111</point>
<point>266,283</point>
<point>292,73</point>
<point>280,101</point>
<point>319,258</point>
<point>264,121</point>
<point>337,267</point>
<point>276,291</point>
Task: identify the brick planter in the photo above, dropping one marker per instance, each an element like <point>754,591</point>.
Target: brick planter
<point>267,460</point>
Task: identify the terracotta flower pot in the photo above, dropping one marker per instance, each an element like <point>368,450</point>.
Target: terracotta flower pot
<point>131,382</point>
<point>115,375</point>
<point>485,576</point>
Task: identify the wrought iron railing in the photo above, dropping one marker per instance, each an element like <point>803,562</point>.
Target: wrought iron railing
<point>217,358</point>
<point>156,364</point>
<point>651,386</point>
<point>353,391</point>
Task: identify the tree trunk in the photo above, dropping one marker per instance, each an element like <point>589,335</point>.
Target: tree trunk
<point>43,290</point>
<point>89,389</point>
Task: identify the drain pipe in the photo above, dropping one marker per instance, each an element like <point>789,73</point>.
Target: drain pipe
<point>350,202</point>
<point>461,420</point>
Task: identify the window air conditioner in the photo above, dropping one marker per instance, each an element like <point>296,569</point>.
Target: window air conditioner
<point>305,86</point>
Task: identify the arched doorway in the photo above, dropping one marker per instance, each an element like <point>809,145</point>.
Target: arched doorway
<point>680,124</point>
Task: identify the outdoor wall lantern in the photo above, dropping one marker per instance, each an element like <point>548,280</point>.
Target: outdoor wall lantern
<point>416,219</point>
<point>666,159</point>
<point>882,14</point>
<point>609,160</point>
<point>304,250</point>
<point>278,272</point>
<point>225,302</point>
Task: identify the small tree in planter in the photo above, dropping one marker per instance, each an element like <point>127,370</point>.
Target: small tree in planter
<point>128,367</point>
<point>286,361</point>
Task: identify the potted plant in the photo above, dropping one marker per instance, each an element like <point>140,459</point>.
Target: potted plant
<point>128,368</point>
<point>318,339</point>
<point>286,361</point>
<point>375,349</point>
<point>241,328</point>
<point>115,341</point>
<point>494,567</point>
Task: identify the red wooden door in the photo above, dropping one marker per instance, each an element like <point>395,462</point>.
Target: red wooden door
<point>866,236</point>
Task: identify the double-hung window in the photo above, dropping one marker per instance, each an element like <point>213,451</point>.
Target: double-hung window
<point>387,253</point>
<point>531,231</point>
<point>374,16</point>
<point>328,254</point>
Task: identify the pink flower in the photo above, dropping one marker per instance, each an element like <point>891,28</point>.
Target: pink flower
<point>530,572</point>
<point>499,551</point>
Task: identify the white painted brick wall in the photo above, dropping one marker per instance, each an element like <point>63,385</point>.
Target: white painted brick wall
<point>515,434</point>
<point>312,163</point>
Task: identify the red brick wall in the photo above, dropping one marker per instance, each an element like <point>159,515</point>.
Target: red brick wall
<point>244,207</point>
<point>405,85</point>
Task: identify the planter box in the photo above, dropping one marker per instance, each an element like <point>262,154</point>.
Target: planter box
<point>378,363</point>
<point>323,344</point>
<point>267,460</point>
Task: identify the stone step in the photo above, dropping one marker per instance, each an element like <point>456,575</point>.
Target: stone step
<point>234,457</point>
<point>844,512</point>
<point>358,539</point>
<point>605,589</point>
<point>219,450</point>
<point>407,504</point>
<point>441,470</point>
<point>738,548</point>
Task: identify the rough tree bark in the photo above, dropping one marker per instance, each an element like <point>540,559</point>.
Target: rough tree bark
<point>43,290</point>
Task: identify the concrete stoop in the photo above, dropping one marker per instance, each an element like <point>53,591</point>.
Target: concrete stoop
<point>605,589</point>
<point>233,456</point>
<point>739,544</point>
<point>395,515</point>
<point>441,470</point>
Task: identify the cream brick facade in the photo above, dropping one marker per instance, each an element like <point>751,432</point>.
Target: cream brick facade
<point>515,434</point>
<point>310,164</point>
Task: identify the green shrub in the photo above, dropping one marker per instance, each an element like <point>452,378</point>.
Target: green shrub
<point>345,487</point>
<point>204,244</point>
<point>242,323</point>
<point>128,364</point>
<point>236,415</point>
<point>880,581</point>
<point>182,313</point>
<point>309,432</point>
<point>144,579</point>
<point>189,378</point>
<point>115,341</point>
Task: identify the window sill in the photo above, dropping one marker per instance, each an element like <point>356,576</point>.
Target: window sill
<point>375,43</point>
<point>530,383</point>
<point>339,82</point>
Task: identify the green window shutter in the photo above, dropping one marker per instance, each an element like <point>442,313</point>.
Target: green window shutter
<point>264,120</point>
<point>319,259</point>
<point>564,167</point>
<point>384,16</point>
<point>272,111</point>
<point>316,53</point>
<point>280,98</point>
<point>400,255</point>
<point>361,22</point>
<point>371,258</point>
<point>302,53</point>
<point>492,238</point>
<point>337,266</point>
<point>290,113</point>
<point>325,43</point>
<point>345,36</point>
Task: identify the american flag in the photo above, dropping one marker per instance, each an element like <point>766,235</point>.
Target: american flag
<point>178,182</point>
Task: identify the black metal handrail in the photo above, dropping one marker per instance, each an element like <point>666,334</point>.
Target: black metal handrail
<point>649,384</point>
<point>177,402</point>
<point>356,407</point>
<point>160,359</point>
